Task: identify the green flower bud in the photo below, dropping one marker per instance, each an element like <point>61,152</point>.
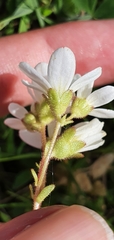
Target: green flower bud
<point>80,108</point>
<point>45,114</point>
<point>29,119</point>
<point>30,122</point>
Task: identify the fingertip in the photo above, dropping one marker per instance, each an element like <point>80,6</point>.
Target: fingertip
<point>69,223</point>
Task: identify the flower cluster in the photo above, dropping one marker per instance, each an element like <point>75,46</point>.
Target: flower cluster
<point>60,96</point>
<point>60,76</point>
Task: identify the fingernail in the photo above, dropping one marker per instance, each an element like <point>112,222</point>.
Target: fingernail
<point>97,217</point>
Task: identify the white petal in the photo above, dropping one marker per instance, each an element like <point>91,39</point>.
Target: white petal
<point>14,123</point>
<point>34,75</point>
<point>78,125</point>
<point>30,91</point>
<point>101,96</point>
<point>41,68</point>
<point>51,127</point>
<point>85,91</point>
<point>89,129</point>
<point>17,110</point>
<point>76,76</point>
<point>61,69</point>
<point>91,133</point>
<point>31,138</point>
<point>95,138</point>
<point>85,79</point>
<point>38,96</point>
<point>35,94</point>
<point>32,108</point>
<point>33,86</point>
<point>93,146</point>
<point>102,113</point>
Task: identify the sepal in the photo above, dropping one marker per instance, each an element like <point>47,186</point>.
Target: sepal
<point>80,108</point>
<point>67,146</point>
<point>59,104</point>
<point>43,113</point>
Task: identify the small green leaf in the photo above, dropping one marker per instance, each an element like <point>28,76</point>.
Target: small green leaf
<point>32,4</point>
<point>21,11</point>
<point>24,24</point>
<point>70,8</point>
<point>45,193</point>
<point>4,217</point>
<point>46,12</point>
<point>105,10</point>
<point>18,157</point>
<point>40,17</point>
<point>35,177</point>
<point>31,191</point>
<point>92,5</point>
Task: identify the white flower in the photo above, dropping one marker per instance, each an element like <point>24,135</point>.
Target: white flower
<point>91,133</point>
<point>98,98</point>
<point>31,138</point>
<point>59,74</point>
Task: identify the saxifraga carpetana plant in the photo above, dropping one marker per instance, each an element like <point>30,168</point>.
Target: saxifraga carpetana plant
<point>59,97</point>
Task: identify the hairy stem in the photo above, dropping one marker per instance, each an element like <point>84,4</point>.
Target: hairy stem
<point>43,136</point>
<point>43,168</point>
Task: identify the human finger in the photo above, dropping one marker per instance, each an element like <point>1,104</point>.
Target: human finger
<point>19,224</point>
<point>69,223</point>
<point>92,42</point>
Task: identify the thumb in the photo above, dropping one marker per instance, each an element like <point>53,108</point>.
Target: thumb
<point>69,223</point>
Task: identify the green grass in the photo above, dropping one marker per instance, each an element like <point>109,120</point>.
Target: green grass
<point>16,158</point>
<point>21,16</point>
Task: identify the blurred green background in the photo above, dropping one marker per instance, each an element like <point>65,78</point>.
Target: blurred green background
<point>16,158</point>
